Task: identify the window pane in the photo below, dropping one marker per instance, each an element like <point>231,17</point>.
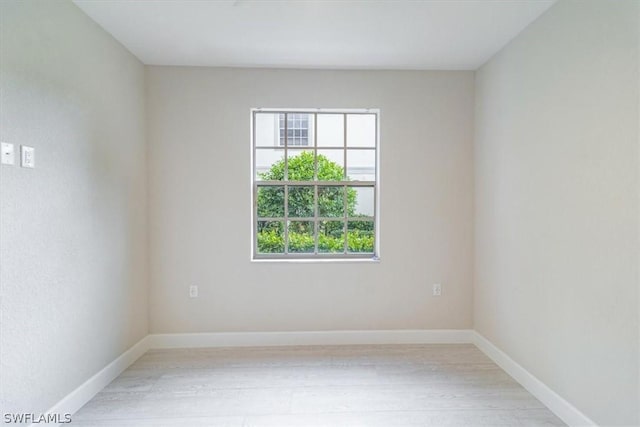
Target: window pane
<point>301,238</point>
<point>331,165</point>
<point>267,130</point>
<point>269,164</point>
<point>270,235</point>
<point>331,237</point>
<point>270,201</point>
<point>330,130</point>
<point>361,201</point>
<point>301,202</point>
<point>360,236</point>
<point>361,130</point>
<point>361,165</point>
<point>330,201</point>
<point>300,165</point>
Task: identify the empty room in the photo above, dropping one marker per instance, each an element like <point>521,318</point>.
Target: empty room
<point>320,213</point>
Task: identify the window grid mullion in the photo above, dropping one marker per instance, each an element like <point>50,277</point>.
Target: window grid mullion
<point>346,215</point>
<point>315,219</point>
<point>331,147</point>
<point>315,187</point>
<point>320,183</point>
<point>286,219</point>
<point>320,218</point>
<point>286,187</point>
<point>315,147</point>
<point>345,195</point>
<point>285,176</point>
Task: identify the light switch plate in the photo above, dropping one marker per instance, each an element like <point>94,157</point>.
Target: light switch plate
<point>8,154</point>
<point>193,291</point>
<point>28,157</point>
<point>437,290</point>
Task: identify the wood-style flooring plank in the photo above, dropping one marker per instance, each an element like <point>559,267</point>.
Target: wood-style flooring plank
<point>381,385</point>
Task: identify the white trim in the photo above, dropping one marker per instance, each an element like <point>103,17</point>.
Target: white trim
<point>316,110</point>
<point>85,392</point>
<point>314,260</point>
<point>75,400</point>
<point>552,400</point>
<point>255,184</point>
<point>250,339</point>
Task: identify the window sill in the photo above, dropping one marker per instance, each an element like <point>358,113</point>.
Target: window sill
<point>375,260</point>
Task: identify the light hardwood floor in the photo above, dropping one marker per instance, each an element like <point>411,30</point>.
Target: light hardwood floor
<point>382,385</point>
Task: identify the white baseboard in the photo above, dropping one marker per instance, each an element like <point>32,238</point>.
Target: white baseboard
<point>559,406</point>
<point>255,339</point>
<point>87,390</point>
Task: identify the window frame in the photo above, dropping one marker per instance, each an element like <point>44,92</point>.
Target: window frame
<point>315,184</point>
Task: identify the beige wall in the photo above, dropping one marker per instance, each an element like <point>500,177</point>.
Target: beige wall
<point>73,230</point>
<point>556,158</point>
<point>200,223</point>
<point>556,211</point>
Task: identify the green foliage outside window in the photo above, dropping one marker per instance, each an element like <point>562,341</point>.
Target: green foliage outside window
<point>331,204</point>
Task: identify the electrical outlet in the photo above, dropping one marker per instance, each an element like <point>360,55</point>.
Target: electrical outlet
<point>437,290</point>
<point>193,291</point>
<point>28,157</point>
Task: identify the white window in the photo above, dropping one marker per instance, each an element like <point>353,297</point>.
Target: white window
<point>296,128</point>
<point>315,184</point>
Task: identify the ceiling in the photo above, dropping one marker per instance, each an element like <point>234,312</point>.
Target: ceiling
<point>328,34</point>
